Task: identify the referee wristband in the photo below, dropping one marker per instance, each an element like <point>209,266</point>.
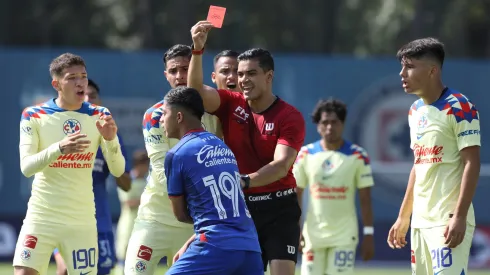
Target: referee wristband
<point>368,230</point>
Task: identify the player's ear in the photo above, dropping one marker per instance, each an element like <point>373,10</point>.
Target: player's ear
<point>270,75</point>
<point>213,77</point>
<point>434,71</point>
<point>180,117</point>
<point>56,84</point>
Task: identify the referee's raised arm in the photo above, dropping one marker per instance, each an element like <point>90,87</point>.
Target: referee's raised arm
<point>210,96</point>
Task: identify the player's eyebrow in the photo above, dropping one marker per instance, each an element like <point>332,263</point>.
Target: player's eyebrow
<point>249,71</point>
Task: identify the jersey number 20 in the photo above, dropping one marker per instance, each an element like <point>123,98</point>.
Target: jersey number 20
<point>228,185</point>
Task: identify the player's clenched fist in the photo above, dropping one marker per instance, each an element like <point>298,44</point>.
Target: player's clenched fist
<point>75,143</point>
<point>107,128</point>
<point>398,232</point>
<point>199,34</point>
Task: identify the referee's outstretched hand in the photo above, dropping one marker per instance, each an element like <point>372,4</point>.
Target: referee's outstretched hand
<point>199,34</point>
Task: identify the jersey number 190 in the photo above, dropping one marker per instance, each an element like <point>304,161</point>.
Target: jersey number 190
<point>83,258</point>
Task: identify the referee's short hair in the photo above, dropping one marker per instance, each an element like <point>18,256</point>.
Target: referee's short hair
<point>186,98</point>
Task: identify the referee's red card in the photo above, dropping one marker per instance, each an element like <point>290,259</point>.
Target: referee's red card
<point>216,15</point>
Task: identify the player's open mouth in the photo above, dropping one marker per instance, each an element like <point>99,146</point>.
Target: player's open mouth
<point>80,93</point>
<point>181,84</point>
<point>231,86</point>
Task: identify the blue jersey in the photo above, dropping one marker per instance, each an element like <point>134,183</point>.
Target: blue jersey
<point>204,170</point>
<point>100,175</point>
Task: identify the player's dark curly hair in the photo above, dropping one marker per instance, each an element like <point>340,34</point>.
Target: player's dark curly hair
<point>225,53</point>
<point>94,85</point>
<point>176,51</point>
<point>64,61</point>
<point>329,106</point>
<point>423,48</point>
<point>187,99</point>
<point>266,61</point>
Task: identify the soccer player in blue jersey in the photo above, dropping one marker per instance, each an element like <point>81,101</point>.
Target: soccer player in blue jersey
<point>204,187</point>
<point>107,251</point>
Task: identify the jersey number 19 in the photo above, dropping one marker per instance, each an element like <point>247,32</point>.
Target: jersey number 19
<point>228,185</point>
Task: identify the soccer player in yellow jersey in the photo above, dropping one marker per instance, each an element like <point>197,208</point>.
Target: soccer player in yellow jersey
<point>58,143</point>
<point>334,169</point>
<point>157,233</point>
<point>445,139</point>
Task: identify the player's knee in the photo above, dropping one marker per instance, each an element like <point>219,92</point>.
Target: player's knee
<point>282,267</point>
<point>22,270</point>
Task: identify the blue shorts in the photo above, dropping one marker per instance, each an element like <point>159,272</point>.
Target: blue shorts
<point>107,253</point>
<point>201,258</point>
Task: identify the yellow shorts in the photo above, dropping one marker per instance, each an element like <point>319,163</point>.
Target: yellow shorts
<point>430,256</point>
<point>77,245</point>
<point>332,261</point>
<point>150,242</point>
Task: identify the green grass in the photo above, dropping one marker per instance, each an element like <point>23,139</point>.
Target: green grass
<point>6,268</point>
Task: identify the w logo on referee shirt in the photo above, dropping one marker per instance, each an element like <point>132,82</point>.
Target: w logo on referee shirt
<point>269,127</point>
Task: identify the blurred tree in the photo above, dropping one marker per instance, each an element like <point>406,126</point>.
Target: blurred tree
<point>375,27</point>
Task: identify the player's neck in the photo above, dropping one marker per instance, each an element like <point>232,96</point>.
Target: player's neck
<point>65,105</point>
<point>331,146</point>
<point>188,128</point>
<point>433,93</point>
<point>263,103</point>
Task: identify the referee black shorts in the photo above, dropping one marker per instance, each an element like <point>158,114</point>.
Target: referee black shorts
<point>276,216</point>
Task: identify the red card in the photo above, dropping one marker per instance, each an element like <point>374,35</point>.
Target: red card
<point>216,15</point>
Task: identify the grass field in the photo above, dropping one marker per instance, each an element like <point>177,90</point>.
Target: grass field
<point>6,268</point>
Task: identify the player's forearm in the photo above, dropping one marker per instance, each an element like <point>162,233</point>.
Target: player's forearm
<point>407,204</point>
<point>114,157</point>
<point>184,217</point>
<point>268,174</point>
<point>366,206</point>
<point>32,164</point>
<point>124,182</point>
<point>469,181</point>
<point>195,74</point>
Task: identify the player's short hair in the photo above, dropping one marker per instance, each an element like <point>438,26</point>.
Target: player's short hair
<point>64,61</point>
<point>94,85</point>
<point>186,98</point>
<point>263,56</point>
<point>176,51</point>
<point>329,106</point>
<point>225,53</point>
<point>423,48</point>
<point>140,157</point>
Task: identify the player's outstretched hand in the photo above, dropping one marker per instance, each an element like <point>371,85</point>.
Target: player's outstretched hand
<point>74,143</point>
<point>398,232</point>
<point>108,127</point>
<point>199,34</point>
<point>455,231</point>
<point>367,247</point>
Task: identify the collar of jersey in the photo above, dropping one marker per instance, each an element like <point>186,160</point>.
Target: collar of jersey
<point>52,104</point>
<point>193,131</point>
